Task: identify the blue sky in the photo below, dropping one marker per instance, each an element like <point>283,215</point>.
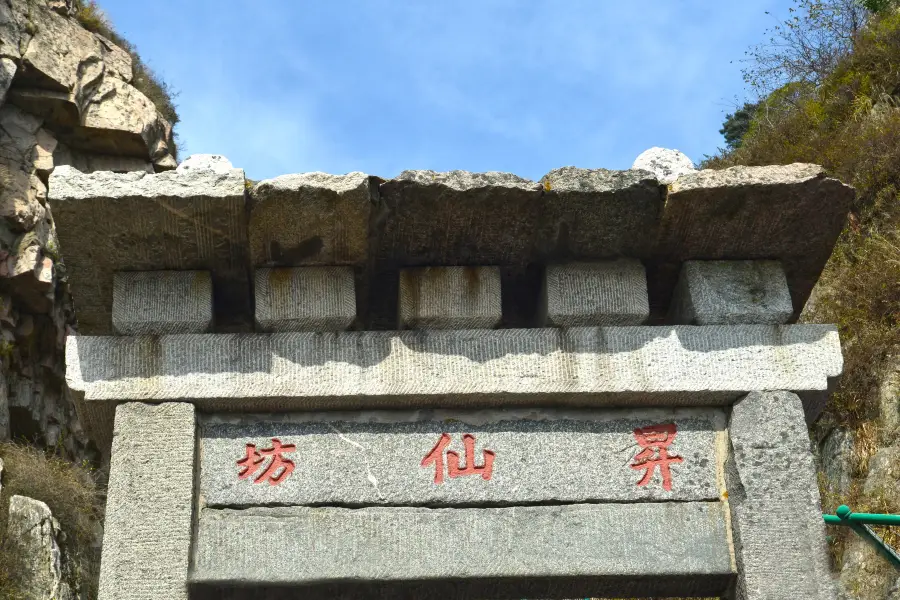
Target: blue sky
<point>381,86</point>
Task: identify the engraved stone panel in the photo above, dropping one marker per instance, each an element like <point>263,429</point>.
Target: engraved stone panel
<point>305,299</point>
<point>450,298</point>
<point>601,293</point>
<point>642,549</point>
<point>445,457</point>
<point>162,302</point>
<point>730,292</point>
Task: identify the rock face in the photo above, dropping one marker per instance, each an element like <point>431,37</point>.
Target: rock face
<point>34,533</point>
<point>666,164</point>
<point>66,98</point>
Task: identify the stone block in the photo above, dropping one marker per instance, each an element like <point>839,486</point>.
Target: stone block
<point>602,293</point>
<point>590,366</point>
<point>450,298</point>
<point>311,219</point>
<point>779,534</point>
<point>305,299</point>
<point>462,218</point>
<point>162,302</point>
<point>32,540</point>
<point>149,504</point>
<point>793,213</point>
<point>194,220</point>
<point>640,549</point>
<point>524,456</point>
<point>731,292</point>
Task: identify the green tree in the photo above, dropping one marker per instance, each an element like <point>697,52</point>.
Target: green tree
<point>737,124</point>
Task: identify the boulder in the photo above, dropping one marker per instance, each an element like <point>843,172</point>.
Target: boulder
<point>210,162</point>
<point>666,164</point>
<point>34,533</point>
<point>8,70</point>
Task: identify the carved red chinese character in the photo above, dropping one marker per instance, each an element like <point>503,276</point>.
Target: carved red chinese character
<point>655,441</point>
<point>436,457</point>
<point>279,468</point>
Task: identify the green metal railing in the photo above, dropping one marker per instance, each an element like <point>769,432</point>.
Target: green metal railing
<point>859,522</point>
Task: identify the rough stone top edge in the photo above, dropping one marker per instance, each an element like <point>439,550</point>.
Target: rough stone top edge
<point>314,180</point>
<point>769,175</point>
<point>68,183</point>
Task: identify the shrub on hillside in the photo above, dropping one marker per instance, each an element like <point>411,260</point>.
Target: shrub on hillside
<point>72,495</point>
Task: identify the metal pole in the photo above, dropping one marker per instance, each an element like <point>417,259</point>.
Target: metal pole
<point>858,522</point>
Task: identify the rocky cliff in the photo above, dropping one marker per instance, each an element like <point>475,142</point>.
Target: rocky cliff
<point>66,98</point>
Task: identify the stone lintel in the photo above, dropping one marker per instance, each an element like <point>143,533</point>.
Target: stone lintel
<point>676,548</point>
<point>536,456</point>
<point>111,222</point>
<point>589,366</point>
<point>305,299</point>
<point>149,505</point>
<point>162,302</point>
<point>450,298</point>
<point>601,293</point>
<point>731,292</point>
<point>779,534</point>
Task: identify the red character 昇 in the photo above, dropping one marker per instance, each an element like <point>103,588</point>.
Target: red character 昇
<point>279,468</point>
<point>655,441</point>
<point>436,457</point>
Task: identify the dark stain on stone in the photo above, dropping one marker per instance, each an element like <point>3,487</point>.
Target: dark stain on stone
<point>292,256</point>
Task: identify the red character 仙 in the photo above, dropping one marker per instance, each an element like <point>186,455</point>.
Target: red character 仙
<point>655,441</point>
<point>436,457</point>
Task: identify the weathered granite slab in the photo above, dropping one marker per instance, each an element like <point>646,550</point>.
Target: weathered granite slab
<point>731,292</point>
<point>647,549</point>
<point>789,212</point>
<point>598,213</point>
<point>109,222</point>
<point>305,299</point>
<point>524,456</point>
<point>591,366</point>
<point>149,506</point>
<point>602,293</point>
<point>430,218</point>
<point>162,302</point>
<point>311,219</point>
<point>779,534</point>
<point>450,298</point>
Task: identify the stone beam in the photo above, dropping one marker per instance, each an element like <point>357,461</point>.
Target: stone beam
<point>580,550</point>
<point>590,366</point>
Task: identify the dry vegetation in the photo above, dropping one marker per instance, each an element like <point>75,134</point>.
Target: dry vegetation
<point>850,124</point>
<point>72,495</point>
<point>145,80</point>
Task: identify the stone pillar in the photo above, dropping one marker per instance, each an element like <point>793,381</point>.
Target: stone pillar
<point>149,505</point>
<point>779,533</point>
<point>731,292</point>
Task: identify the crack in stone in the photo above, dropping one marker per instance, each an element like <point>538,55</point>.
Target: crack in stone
<point>362,449</point>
